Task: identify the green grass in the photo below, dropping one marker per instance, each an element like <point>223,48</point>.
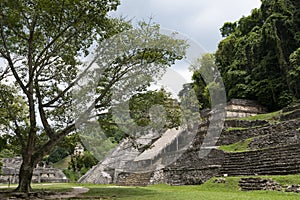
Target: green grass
<point>273,116</point>
<point>240,146</point>
<point>236,129</point>
<point>165,192</point>
<point>207,191</point>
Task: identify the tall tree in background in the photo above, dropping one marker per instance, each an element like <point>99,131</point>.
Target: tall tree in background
<point>41,42</point>
<point>206,80</point>
<point>139,109</point>
<point>257,58</point>
<point>203,68</point>
<point>140,105</point>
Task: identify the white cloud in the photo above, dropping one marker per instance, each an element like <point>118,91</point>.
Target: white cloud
<point>200,19</point>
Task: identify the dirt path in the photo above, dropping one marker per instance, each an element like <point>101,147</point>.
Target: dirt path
<point>44,195</point>
<point>76,191</point>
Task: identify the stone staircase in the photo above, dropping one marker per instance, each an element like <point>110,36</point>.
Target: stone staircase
<point>273,161</point>
<point>190,169</point>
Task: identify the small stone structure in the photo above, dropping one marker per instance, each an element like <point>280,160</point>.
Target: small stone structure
<point>237,108</point>
<point>79,149</point>
<point>42,172</point>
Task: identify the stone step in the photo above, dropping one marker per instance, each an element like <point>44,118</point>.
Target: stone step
<point>262,167</point>
<point>261,159</point>
<point>295,114</point>
<point>267,170</point>
<point>244,123</point>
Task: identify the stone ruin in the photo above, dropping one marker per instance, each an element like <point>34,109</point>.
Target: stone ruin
<point>237,108</point>
<point>257,183</point>
<point>253,183</point>
<point>42,173</point>
<point>126,158</point>
<point>274,150</point>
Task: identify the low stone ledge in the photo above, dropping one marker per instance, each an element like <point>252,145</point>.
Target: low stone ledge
<point>293,188</point>
<point>291,115</point>
<point>248,184</point>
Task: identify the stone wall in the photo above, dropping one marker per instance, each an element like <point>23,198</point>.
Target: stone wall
<point>231,123</point>
<point>134,179</point>
<point>191,169</point>
<point>248,184</point>
<point>284,138</point>
<point>233,136</point>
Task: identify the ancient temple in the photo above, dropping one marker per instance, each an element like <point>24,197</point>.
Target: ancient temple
<point>174,157</point>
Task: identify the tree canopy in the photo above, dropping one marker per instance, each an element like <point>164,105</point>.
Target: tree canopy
<point>259,58</point>
<point>42,43</point>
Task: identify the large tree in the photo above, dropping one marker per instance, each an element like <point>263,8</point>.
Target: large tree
<point>257,59</point>
<point>42,41</point>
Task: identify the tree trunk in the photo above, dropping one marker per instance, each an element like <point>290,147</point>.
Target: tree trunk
<point>25,175</point>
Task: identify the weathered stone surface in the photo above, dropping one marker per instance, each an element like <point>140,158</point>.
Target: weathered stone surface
<point>231,137</point>
<point>247,184</point>
<point>290,115</point>
<point>97,175</point>
<point>105,171</point>
<point>237,108</point>
<point>134,179</point>
<point>191,169</point>
<point>293,188</point>
<point>127,161</point>
<point>232,123</point>
<point>273,161</point>
<point>158,177</point>
<point>284,138</point>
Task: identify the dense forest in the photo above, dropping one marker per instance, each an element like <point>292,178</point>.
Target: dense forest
<point>259,57</point>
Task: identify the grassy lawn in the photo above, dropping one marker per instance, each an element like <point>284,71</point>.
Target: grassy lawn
<point>240,146</point>
<point>208,191</point>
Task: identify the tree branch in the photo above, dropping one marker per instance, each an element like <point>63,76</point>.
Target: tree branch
<point>56,38</point>
<point>44,120</point>
<point>10,62</point>
<point>70,86</point>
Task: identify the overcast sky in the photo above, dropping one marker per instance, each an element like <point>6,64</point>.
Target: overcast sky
<point>199,19</point>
